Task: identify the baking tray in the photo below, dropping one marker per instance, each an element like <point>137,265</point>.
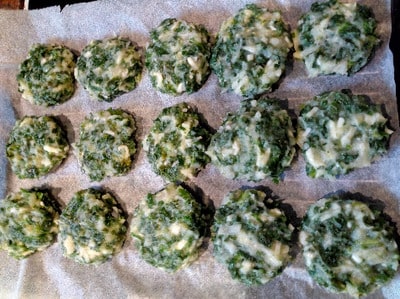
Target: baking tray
<point>49,275</point>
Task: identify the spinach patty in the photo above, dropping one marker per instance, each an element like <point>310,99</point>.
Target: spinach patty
<point>336,38</point>
<point>339,131</point>
<point>92,227</point>
<point>46,77</point>
<point>28,222</point>
<point>348,247</point>
<point>251,51</point>
<point>108,68</point>
<point>37,145</point>
<point>251,239</point>
<point>177,57</point>
<point>169,227</point>
<point>254,143</point>
<point>106,144</point>
<point>177,142</point>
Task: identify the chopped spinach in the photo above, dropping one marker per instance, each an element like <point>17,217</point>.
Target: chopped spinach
<point>46,77</point>
<point>177,142</point>
<point>347,246</point>
<point>336,38</point>
<point>254,143</point>
<point>28,222</point>
<point>109,68</point>
<point>251,50</point>
<point>246,234</point>
<point>339,131</point>
<point>169,227</point>
<point>106,144</point>
<point>92,227</point>
<point>177,57</point>
<point>36,146</point>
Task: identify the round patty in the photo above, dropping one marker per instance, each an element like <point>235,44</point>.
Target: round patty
<point>348,247</point>
<point>37,145</point>
<point>28,222</point>
<point>106,144</point>
<point>46,77</point>
<point>254,143</point>
<point>336,38</point>
<point>251,51</point>
<point>168,228</point>
<point>251,239</point>
<point>92,227</point>
<point>177,57</point>
<point>177,142</point>
<point>108,68</point>
<point>339,132</point>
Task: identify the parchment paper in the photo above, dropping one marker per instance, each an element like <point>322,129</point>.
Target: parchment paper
<point>49,275</point>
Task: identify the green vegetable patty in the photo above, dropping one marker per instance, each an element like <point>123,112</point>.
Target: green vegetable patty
<point>177,57</point>
<point>339,131</point>
<point>251,51</point>
<point>46,77</point>
<point>254,143</point>
<point>336,38</point>
<point>177,142</point>
<point>92,227</point>
<point>37,145</point>
<point>348,247</point>
<point>169,227</point>
<point>106,144</point>
<point>28,222</point>
<point>108,68</point>
<point>251,240</point>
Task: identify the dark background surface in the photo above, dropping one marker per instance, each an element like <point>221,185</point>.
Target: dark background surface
<point>394,41</point>
<point>395,46</point>
<point>33,4</point>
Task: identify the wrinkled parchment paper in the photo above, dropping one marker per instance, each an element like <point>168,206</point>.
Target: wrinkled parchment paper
<point>49,275</point>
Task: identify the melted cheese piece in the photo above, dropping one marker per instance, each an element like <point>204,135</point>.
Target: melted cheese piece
<point>254,247</point>
<point>69,245</point>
